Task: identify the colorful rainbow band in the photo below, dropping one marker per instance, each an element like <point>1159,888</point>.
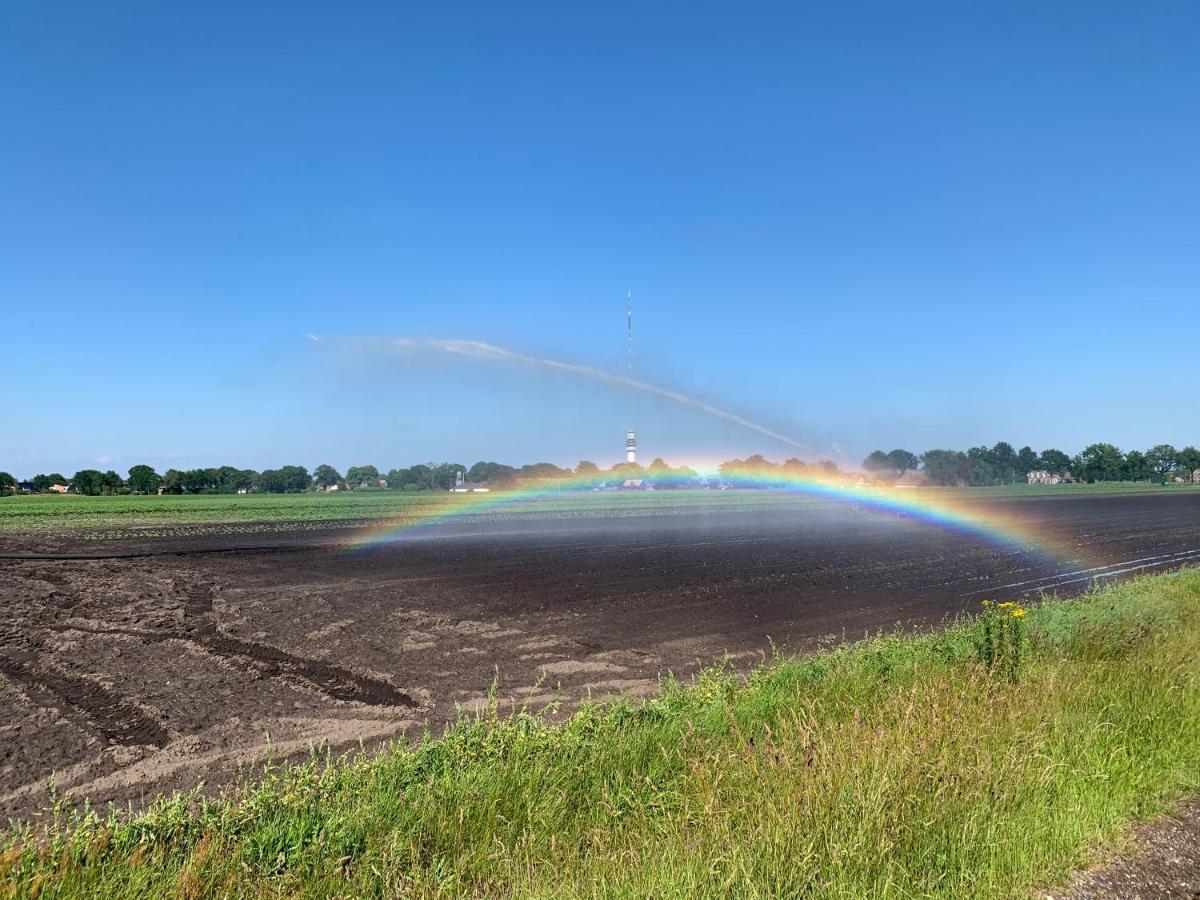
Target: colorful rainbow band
<point>997,524</point>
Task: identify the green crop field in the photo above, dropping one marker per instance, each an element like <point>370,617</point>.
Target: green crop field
<point>141,516</point>
<point>127,516</point>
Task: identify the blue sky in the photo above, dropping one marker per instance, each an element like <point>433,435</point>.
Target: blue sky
<point>916,225</point>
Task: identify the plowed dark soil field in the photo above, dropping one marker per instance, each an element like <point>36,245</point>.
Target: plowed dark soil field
<point>161,663</point>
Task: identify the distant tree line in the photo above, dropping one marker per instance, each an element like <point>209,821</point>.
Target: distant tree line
<point>1001,464</point>
<point>143,479</point>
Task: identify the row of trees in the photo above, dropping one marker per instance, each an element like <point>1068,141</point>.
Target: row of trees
<point>143,479</point>
<point>1001,464</point>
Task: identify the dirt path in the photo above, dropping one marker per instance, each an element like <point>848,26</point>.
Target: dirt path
<point>1162,861</point>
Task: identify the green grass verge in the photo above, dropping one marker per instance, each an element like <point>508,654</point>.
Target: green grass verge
<point>898,766</point>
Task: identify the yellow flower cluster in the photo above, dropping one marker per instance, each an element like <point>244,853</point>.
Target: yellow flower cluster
<point>1016,610</point>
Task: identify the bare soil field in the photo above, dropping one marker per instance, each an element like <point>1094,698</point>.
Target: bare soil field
<point>163,663</point>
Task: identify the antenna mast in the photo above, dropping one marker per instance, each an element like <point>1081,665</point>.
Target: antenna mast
<point>630,437</point>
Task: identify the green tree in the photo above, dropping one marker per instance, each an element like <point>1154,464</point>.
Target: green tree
<point>143,479</point>
<point>946,467</point>
<point>88,481</point>
<point>285,480</point>
<point>903,461</point>
<point>327,476</point>
<point>1003,459</point>
<point>271,481</point>
<point>981,469</point>
<point>1135,467</point>
<point>1100,462</point>
<point>8,484</point>
<point>795,466</point>
<point>493,473</point>
<point>893,464</point>
<point>112,483</point>
<point>1055,461</point>
<point>172,482</point>
<point>422,476</point>
<point>542,471</point>
<point>226,479</point>
<point>1027,461</point>
<point>1162,458</point>
<point>757,466</point>
<point>586,467</point>
<point>296,479</point>
<point>1189,461</point>
<point>360,476</point>
<point>877,461</point>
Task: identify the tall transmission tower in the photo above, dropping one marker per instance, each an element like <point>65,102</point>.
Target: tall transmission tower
<point>630,436</point>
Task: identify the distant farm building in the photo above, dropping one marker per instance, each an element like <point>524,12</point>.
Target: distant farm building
<point>25,487</point>
<point>1041,476</point>
<point>462,486</point>
<point>60,488</point>
<point>369,483</point>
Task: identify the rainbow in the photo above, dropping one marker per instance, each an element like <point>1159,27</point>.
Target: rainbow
<point>945,509</point>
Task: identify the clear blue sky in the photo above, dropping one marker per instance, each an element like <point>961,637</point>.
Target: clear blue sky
<point>902,224</point>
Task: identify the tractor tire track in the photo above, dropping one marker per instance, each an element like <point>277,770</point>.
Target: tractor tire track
<point>96,708</point>
<point>265,661</point>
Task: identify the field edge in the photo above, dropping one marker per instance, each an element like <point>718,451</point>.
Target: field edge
<point>809,771</point>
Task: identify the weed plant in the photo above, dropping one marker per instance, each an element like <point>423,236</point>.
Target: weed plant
<point>1001,638</point>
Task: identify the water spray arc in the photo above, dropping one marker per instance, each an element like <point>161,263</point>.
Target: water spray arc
<point>630,435</point>
<point>485,352</point>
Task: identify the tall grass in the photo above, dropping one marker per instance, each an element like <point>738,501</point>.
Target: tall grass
<point>898,766</point>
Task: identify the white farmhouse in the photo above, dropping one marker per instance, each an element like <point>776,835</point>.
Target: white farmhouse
<point>1041,476</point>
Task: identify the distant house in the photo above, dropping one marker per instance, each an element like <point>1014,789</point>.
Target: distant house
<point>368,484</point>
<point>1041,476</point>
<point>243,490</point>
<point>60,488</point>
<point>1196,475</point>
<point>25,487</point>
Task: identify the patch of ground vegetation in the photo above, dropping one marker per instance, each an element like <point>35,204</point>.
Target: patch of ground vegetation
<point>985,760</point>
